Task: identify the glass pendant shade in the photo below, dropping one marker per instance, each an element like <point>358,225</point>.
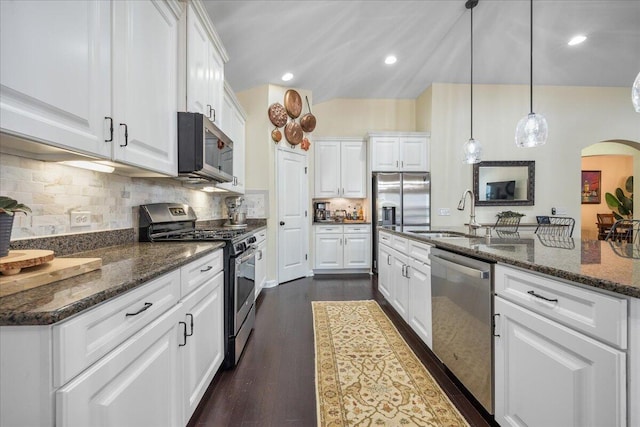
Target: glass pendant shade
<point>635,94</point>
<point>472,151</point>
<point>532,131</point>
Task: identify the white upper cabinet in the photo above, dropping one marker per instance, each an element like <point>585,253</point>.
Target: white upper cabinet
<point>340,168</point>
<point>55,73</point>
<point>404,152</point>
<point>205,66</point>
<point>233,125</point>
<point>145,65</point>
<point>99,79</point>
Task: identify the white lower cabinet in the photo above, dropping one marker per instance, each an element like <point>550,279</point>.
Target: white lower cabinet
<point>419,314</point>
<point>384,271</point>
<point>405,281</point>
<point>548,372</point>
<point>202,347</point>
<point>400,287</point>
<point>261,261</point>
<point>342,247</point>
<point>135,385</point>
<point>144,358</point>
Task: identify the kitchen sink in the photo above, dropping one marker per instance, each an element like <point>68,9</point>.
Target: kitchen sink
<point>437,234</point>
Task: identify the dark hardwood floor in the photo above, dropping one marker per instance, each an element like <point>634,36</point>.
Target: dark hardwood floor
<point>273,384</point>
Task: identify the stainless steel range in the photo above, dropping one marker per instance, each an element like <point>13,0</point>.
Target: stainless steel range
<point>174,222</point>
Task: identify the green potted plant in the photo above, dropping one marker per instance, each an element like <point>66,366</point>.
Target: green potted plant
<point>8,208</point>
<point>621,202</point>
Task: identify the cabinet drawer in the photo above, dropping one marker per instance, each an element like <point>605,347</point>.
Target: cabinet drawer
<point>362,228</point>
<point>199,271</point>
<point>385,238</point>
<point>260,236</point>
<point>595,314</point>
<point>328,229</point>
<point>82,340</point>
<point>419,251</point>
<point>400,243</point>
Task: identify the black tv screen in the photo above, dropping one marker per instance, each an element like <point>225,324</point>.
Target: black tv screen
<point>501,190</point>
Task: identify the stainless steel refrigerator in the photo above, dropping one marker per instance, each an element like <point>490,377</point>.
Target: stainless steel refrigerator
<point>400,199</point>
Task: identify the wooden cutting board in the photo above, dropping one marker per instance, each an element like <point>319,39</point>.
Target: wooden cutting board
<point>17,260</point>
<point>52,271</point>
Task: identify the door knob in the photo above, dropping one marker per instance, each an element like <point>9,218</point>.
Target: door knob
<point>281,222</point>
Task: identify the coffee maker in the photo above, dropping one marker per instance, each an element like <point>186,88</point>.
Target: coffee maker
<point>321,211</point>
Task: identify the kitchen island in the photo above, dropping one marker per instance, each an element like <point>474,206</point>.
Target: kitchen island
<point>565,322</point>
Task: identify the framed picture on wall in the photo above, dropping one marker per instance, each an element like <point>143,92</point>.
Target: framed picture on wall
<point>591,187</point>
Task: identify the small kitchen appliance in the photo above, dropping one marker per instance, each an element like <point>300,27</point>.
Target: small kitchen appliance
<point>175,222</point>
<point>321,211</point>
<point>237,212</point>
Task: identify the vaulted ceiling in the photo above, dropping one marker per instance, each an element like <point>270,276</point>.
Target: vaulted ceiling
<point>337,48</point>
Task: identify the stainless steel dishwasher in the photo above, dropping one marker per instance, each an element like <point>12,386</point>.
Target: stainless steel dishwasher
<point>462,310</point>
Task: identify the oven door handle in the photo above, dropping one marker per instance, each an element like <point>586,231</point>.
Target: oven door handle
<point>246,256</point>
<point>468,271</point>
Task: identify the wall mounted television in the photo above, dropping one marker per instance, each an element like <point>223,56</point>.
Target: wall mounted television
<point>500,190</point>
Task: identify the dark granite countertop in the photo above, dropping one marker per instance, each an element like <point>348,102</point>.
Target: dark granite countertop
<point>124,267</point>
<point>604,265</point>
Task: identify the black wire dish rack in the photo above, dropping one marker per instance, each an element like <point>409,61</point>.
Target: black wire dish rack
<point>624,238</point>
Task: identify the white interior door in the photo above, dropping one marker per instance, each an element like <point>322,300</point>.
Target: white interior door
<point>293,226</point>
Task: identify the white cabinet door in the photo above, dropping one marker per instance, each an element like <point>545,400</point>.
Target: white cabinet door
<point>327,169</point>
<point>385,278</point>
<point>55,74</point>
<point>420,300</point>
<point>204,350</point>
<point>261,267</point>
<point>400,290</point>
<point>145,51</point>
<point>216,85</point>
<point>353,169</point>
<point>385,156</point>
<point>549,375</point>
<point>357,251</point>
<point>198,68</point>
<point>329,250</point>
<point>233,124</point>
<point>134,385</point>
<point>414,154</point>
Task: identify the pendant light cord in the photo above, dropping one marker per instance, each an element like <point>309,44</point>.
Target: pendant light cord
<point>531,56</point>
<point>471,85</point>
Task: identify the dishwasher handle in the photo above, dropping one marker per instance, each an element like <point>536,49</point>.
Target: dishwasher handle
<point>468,271</point>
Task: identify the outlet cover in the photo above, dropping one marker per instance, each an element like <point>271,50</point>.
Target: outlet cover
<point>80,218</point>
<point>444,212</point>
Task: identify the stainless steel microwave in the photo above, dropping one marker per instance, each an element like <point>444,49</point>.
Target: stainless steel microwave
<point>205,153</point>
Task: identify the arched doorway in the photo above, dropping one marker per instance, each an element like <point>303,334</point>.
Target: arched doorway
<point>612,162</point>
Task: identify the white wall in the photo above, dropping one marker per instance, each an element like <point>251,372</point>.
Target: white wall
<point>261,155</point>
<point>577,117</point>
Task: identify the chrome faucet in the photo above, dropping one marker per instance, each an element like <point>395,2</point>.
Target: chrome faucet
<point>472,219</point>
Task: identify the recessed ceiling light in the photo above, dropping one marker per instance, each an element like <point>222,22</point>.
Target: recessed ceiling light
<point>390,60</point>
<point>576,40</point>
<point>287,76</point>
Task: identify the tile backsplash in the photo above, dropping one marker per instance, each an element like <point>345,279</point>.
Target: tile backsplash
<point>53,191</point>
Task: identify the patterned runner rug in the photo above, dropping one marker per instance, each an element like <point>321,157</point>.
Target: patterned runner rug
<point>366,375</point>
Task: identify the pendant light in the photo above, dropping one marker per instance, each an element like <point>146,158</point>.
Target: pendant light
<point>635,94</point>
<point>531,130</point>
<point>472,149</point>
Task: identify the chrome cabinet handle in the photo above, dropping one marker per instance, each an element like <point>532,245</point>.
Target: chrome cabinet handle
<point>204,270</point>
<point>146,307</point>
<point>388,259</point>
<point>397,163</point>
<point>191,316</point>
<point>541,297</point>
<point>402,163</point>
<point>126,134</point>
<point>210,109</point>
<point>110,129</point>
<point>341,242</point>
<point>214,114</point>
<point>406,271</point>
